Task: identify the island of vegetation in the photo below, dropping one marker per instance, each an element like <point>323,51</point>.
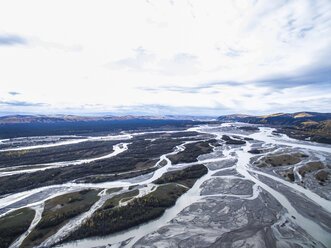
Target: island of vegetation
<point>14,225</point>
<point>112,217</point>
<point>57,212</point>
<point>142,154</point>
<point>193,151</point>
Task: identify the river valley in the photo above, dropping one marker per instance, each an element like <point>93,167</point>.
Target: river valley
<point>260,189</point>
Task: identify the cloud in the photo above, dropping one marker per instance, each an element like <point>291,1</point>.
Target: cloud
<point>55,45</point>
<point>233,52</point>
<point>157,109</point>
<point>137,62</point>
<point>229,55</point>
<point>196,89</point>
<point>304,31</point>
<point>319,76</point>
<point>179,64</point>
<point>11,40</point>
<point>313,105</point>
<point>13,93</point>
<point>20,104</point>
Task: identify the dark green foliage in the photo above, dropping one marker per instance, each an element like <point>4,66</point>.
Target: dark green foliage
<point>230,141</point>
<point>89,127</point>
<point>291,176</point>
<point>58,211</point>
<point>192,152</point>
<point>318,132</point>
<point>153,205</point>
<point>141,155</point>
<point>322,176</point>
<point>187,177</point>
<point>113,190</point>
<point>255,151</point>
<point>14,224</point>
<point>115,176</point>
<point>66,206</point>
<point>110,218</point>
<point>113,202</point>
<point>249,128</point>
<point>82,150</point>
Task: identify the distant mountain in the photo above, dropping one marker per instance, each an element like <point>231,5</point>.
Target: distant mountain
<point>301,125</point>
<point>233,117</point>
<point>15,119</point>
<point>279,118</point>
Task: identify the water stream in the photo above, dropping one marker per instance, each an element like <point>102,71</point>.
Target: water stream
<point>242,165</point>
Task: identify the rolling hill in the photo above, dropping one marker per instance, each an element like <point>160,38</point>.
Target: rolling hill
<point>300,125</point>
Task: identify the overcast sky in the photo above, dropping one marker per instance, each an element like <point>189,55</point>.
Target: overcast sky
<point>165,57</point>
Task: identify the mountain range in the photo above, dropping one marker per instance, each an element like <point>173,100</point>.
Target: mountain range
<point>312,126</point>
<point>16,119</point>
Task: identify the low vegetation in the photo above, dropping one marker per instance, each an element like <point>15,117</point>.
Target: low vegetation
<point>192,152</point>
<point>229,141</point>
<point>14,224</point>
<point>288,174</point>
<point>255,151</point>
<point>72,152</point>
<point>58,211</point>
<point>113,177</point>
<point>275,160</point>
<point>311,130</point>
<point>112,218</point>
<point>310,167</point>
<point>322,176</point>
<point>113,190</point>
<point>186,177</point>
<point>249,128</point>
<point>114,201</point>
<point>142,154</point>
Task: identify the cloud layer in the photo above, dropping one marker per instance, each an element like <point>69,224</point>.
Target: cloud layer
<point>157,57</point>
<point>11,40</point>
